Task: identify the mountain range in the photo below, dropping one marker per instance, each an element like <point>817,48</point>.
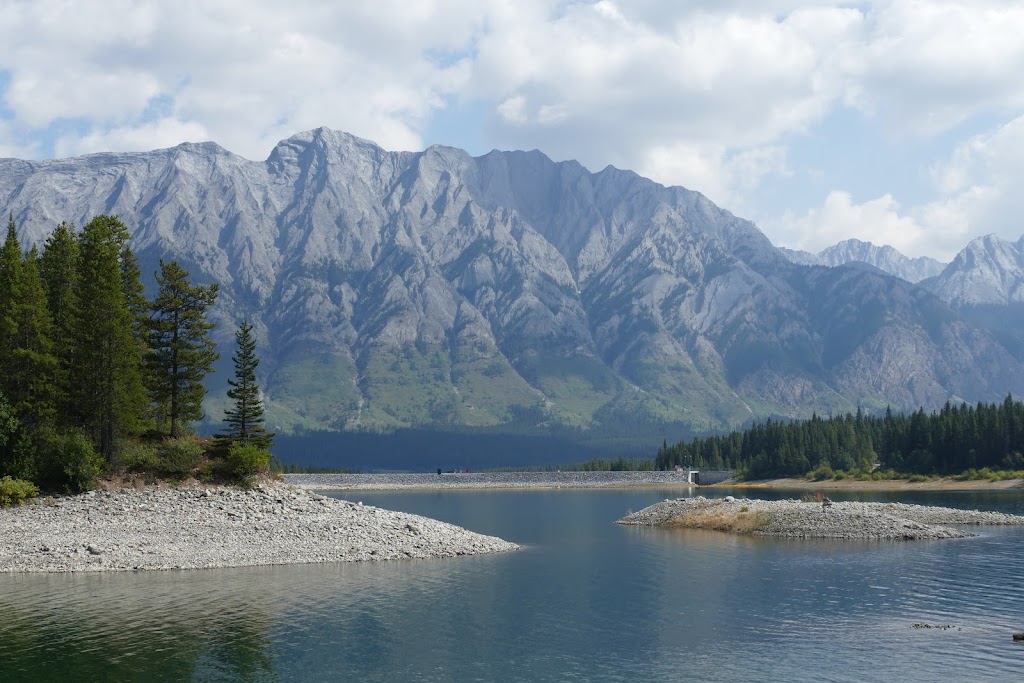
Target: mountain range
<point>884,258</point>
<point>436,289</point>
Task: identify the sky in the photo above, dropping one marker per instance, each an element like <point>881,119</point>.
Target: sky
<point>898,122</point>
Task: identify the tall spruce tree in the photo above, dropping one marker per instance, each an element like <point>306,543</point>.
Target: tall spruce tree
<point>10,295</point>
<point>58,267</point>
<point>34,367</point>
<point>245,420</point>
<point>134,293</point>
<point>107,373</point>
<point>181,352</point>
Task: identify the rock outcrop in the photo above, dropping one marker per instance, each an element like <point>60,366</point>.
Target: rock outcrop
<point>799,519</point>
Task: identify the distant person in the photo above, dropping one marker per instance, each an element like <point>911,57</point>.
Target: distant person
<point>825,504</point>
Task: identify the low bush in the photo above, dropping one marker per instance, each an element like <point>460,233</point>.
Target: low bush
<point>918,478</point>
<point>179,456</point>
<point>138,457</point>
<point>16,491</point>
<point>815,497</point>
<point>245,460</point>
<point>821,473</point>
<point>72,464</point>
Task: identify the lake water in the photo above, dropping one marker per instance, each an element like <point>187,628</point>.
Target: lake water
<point>585,600</point>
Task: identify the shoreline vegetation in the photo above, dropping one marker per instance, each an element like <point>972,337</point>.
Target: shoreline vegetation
<point>909,484</point>
<point>809,518</point>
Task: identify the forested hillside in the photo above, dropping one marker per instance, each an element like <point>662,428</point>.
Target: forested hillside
<point>955,439</point>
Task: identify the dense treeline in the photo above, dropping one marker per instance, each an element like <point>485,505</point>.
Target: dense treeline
<point>955,439</point>
<point>93,376</point>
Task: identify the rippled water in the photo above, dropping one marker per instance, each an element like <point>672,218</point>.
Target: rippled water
<point>585,600</point>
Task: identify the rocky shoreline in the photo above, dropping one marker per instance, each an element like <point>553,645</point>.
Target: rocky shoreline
<point>799,519</point>
<point>206,527</point>
<point>484,480</point>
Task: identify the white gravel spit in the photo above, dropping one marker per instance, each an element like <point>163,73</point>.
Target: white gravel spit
<point>485,480</point>
<point>798,519</point>
<point>196,528</point>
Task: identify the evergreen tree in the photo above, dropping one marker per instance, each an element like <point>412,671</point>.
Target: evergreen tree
<point>34,367</point>
<point>135,293</point>
<point>58,267</point>
<point>106,375</point>
<point>245,420</point>
<point>181,351</point>
<point>10,295</point>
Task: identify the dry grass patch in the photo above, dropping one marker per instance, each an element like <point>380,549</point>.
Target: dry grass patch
<point>720,518</point>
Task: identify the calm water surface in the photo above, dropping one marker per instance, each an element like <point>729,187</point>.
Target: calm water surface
<point>585,600</point>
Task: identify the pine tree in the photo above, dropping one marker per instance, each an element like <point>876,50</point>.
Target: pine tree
<point>10,295</point>
<point>245,420</point>
<point>107,372</point>
<point>134,293</point>
<point>34,366</point>
<point>58,267</point>
<point>181,351</point>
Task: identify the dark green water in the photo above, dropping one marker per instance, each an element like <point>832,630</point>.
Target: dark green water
<point>586,600</point>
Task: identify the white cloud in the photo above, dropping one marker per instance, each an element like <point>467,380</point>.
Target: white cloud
<point>878,221</point>
<point>927,66</point>
<point>248,74</point>
<point>981,187</point>
<point>708,94</point>
<point>154,135</point>
<point>513,110</point>
<point>978,193</point>
<point>723,176</point>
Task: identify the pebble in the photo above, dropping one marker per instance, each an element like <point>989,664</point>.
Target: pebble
<point>849,520</point>
<point>193,528</point>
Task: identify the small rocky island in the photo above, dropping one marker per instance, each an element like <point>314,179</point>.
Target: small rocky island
<point>801,519</point>
<point>204,527</point>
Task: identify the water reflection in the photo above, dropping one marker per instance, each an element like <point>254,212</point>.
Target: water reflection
<point>586,600</point>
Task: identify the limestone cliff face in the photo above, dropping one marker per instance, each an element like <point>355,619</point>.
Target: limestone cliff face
<point>988,271</point>
<point>438,288</point>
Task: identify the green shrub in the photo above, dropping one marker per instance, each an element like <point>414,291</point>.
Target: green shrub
<point>839,475</point>
<point>917,478</point>
<point>180,456</point>
<point>72,464</point>
<point>245,460</point>
<point>986,473</point>
<point>16,491</point>
<point>138,457</point>
<point>822,472</point>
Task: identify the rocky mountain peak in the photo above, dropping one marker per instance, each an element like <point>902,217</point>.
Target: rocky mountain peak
<point>436,288</point>
<point>989,270</point>
<point>885,258</point>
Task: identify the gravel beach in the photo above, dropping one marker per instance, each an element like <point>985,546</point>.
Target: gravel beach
<point>797,519</point>
<point>199,527</point>
<point>485,480</point>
